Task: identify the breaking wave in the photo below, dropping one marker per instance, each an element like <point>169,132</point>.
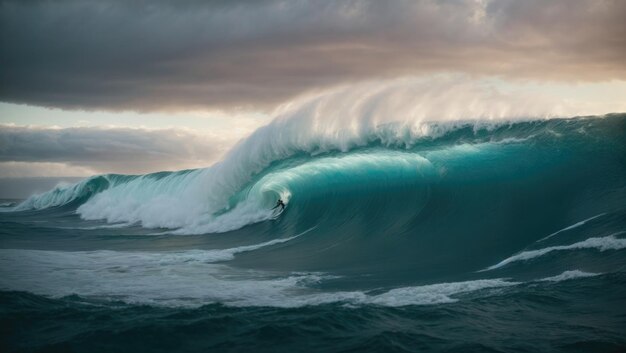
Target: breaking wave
<point>293,154</point>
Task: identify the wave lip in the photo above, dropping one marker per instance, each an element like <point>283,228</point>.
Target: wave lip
<point>602,244</point>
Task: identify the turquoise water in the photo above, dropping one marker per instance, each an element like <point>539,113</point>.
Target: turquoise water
<point>477,236</point>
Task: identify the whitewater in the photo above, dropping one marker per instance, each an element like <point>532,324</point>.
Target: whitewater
<point>400,233</point>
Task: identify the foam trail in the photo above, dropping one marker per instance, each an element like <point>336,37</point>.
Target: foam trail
<point>567,275</point>
<point>229,254</point>
<point>434,293</point>
<point>104,226</point>
<point>575,225</point>
<point>601,244</point>
<point>209,256</point>
<point>186,279</point>
<point>190,279</point>
<point>183,279</point>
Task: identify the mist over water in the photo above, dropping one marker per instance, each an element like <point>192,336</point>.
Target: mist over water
<point>398,234</point>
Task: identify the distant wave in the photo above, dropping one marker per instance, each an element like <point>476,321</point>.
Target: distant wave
<point>64,194</point>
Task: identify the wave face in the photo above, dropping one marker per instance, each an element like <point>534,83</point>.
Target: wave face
<point>423,223</point>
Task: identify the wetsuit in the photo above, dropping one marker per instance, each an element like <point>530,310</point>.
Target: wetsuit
<point>281,204</point>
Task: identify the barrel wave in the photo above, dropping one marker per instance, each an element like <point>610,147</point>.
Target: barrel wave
<point>464,217</point>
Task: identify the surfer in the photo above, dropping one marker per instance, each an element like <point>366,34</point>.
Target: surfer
<point>281,204</point>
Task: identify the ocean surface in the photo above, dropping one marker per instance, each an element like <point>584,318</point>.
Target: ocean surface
<point>474,236</point>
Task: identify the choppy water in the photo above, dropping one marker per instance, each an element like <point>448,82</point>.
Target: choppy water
<point>455,237</point>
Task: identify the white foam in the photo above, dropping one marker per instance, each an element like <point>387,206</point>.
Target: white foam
<point>600,244</point>
<point>568,275</point>
<point>103,226</point>
<point>575,225</point>
<point>434,293</point>
<point>192,278</point>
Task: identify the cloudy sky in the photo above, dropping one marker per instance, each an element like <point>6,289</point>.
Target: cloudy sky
<point>103,86</point>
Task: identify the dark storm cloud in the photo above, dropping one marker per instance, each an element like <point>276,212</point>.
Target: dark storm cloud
<point>157,55</point>
<point>105,150</point>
